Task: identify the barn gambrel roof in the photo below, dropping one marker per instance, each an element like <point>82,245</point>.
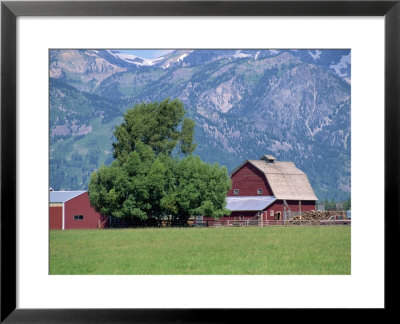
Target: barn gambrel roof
<point>287,182</point>
<point>63,196</point>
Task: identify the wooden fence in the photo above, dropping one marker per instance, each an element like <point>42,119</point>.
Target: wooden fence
<point>117,223</point>
<point>251,222</point>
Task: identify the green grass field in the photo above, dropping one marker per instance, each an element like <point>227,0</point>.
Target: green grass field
<point>249,250</point>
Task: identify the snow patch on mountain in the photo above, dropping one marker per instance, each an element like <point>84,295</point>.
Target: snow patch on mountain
<point>92,53</point>
<point>315,56</point>
<point>133,59</point>
<point>239,54</point>
<point>180,58</point>
<point>344,63</point>
<point>174,58</point>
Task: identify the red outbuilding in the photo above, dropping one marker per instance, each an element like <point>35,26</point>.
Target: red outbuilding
<point>267,189</point>
<point>72,210</point>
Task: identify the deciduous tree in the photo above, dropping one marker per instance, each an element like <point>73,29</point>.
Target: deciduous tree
<point>161,125</point>
<point>130,189</point>
<point>146,180</point>
<point>200,189</point>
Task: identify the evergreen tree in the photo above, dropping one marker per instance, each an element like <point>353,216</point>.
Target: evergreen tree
<point>330,205</point>
<point>347,204</point>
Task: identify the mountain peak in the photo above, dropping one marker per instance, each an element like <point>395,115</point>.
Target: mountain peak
<point>133,59</point>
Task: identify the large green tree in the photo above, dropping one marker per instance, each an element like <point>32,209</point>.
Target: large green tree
<point>198,189</point>
<point>133,188</point>
<point>146,180</point>
<point>161,125</point>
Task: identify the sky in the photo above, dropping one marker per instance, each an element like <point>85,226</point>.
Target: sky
<point>146,53</point>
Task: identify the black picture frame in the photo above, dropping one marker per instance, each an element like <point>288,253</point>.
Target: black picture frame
<point>10,10</point>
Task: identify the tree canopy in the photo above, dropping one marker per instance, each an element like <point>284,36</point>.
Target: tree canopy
<point>161,125</point>
<point>198,189</point>
<point>130,189</point>
<point>146,180</point>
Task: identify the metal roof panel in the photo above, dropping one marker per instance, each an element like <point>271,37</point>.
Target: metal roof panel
<point>63,196</point>
<point>249,203</point>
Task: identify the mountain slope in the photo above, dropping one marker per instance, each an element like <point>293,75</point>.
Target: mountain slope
<point>245,103</point>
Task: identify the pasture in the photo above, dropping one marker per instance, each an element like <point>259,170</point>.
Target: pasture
<point>163,251</point>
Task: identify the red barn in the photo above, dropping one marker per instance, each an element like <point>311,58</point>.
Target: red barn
<point>269,190</point>
<point>72,209</point>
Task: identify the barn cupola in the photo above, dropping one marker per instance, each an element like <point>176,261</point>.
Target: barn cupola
<point>268,158</point>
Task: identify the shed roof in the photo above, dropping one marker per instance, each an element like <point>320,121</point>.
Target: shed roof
<point>285,179</point>
<point>63,196</point>
<point>249,203</point>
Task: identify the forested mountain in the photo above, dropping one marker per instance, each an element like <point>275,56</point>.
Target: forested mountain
<point>293,104</point>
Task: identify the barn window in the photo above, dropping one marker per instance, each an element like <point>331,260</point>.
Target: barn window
<point>78,217</point>
<point>259,191</point>
<point>235,191</point>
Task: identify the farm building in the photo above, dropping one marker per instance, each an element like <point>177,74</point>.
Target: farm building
<point>267,189</point>
<point>72,210</point>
